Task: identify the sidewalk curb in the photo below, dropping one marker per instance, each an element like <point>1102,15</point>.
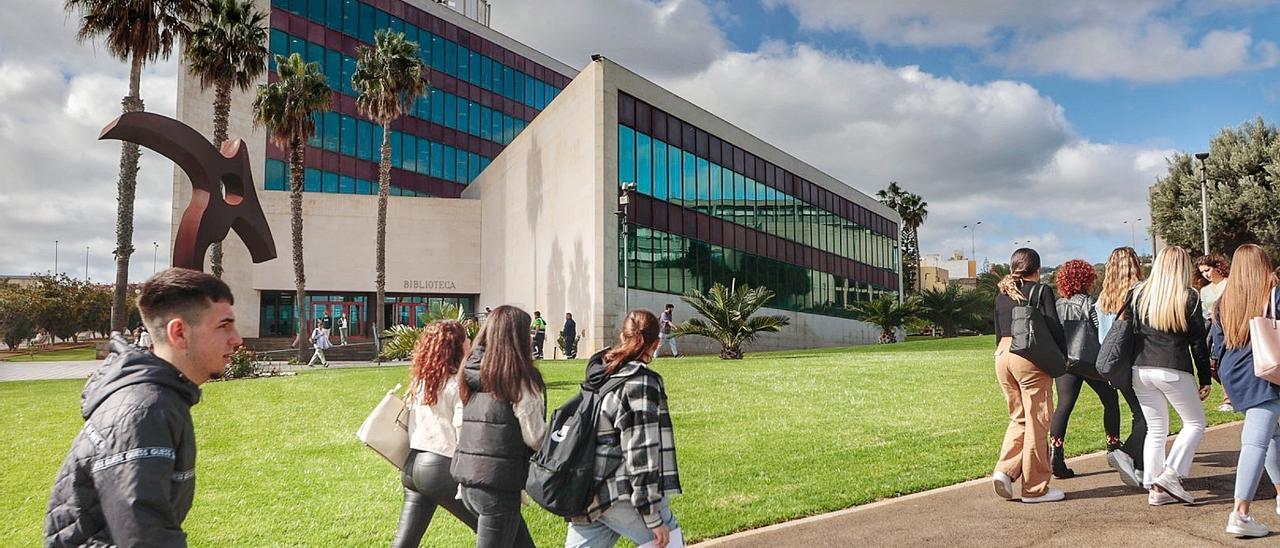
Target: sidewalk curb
<point>743,535</point>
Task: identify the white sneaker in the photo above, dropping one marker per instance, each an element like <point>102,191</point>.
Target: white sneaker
<point>1004,485</point>
<point>1052,495</point>
<point>1226,408</point>
<point>1157,497</point>
<point>1245,526</point>
<point>1172,485</point>
<point>1123,463</point>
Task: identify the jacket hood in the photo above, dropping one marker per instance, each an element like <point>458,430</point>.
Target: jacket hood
<point>126,366</point>
<point>471,368</point>
<point>595,376</point>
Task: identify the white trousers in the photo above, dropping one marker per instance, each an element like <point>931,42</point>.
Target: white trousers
<point>1157,388</point>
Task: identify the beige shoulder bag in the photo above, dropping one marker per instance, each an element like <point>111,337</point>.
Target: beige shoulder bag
<point>1264,340</point>
<point>386,430</point>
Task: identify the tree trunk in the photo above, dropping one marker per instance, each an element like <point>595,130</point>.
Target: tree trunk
<point>887,337</point>
<point>384,189</point>
<point>731,352</point>
<point>126,187</point>
<point>296,158</point>
<point>221,122</point>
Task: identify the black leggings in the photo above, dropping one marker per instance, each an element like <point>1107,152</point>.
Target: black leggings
<point>1069,390</point>
<point>427,484</point>
<point>500,524</point>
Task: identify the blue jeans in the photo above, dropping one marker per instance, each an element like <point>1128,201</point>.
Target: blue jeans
<point>1258,443</point>
<point>620,520</point>
<point>670,340</point>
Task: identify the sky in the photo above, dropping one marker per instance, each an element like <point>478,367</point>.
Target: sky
<point>1046,121</point>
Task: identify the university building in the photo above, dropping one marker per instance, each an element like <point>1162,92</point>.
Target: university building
<point>505,186</point>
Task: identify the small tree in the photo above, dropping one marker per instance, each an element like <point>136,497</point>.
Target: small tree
<point>888,314</point>
<point>950,308</point>
<point>729,320</point>
<point>17,315</point>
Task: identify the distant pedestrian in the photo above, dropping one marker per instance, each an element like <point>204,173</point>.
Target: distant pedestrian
<point>1252,289</point>
<point>130,476</point>
<point>570,335</point>
<point>666,326</point>
<point>342,329</point>
<point>1124,271</point>
<point>144,339</point>
<point>503,423</point>
<point>1214,270</point>
<point>1028,389</point>
<point>538,330</point>
<point>320,341</point>
<point>1170,337</point>
<point>433,437</point>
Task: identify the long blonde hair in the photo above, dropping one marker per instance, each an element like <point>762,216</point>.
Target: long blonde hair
<point>1123,272</point>
<point>1024,262</point>
<point>1246,295</point>
<point>1162,300</point>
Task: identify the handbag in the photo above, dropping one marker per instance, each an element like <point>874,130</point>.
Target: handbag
<point>1081,331</point>
<point>386,430</point>
<point>1115,357</point>
<point>1264,341</point>
<point>1031,338</point>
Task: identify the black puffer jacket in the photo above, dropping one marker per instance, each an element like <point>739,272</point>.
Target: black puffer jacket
<point>491,451</point>
<point>129,478</point>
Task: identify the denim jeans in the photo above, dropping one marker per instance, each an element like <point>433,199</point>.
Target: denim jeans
<point>1258,441</point>
<point>670,340</point>
<point>621,520</point>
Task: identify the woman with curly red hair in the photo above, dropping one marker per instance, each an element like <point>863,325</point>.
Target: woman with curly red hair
<point>433,436</point>
<point>1075,280</point>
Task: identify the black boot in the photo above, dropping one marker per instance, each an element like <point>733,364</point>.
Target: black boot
<point>1059,462</point>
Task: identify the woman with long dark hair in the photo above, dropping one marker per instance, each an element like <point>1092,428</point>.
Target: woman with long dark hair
<point>635,467</point>
<point>1124,271</point>
<point>1076,311</point>
<point>1028,390</point>
<point>503,423</point>
<point>1248,293</point>
<point>1169,338</point>
<point>1211,281</point>
<point>433,438</point>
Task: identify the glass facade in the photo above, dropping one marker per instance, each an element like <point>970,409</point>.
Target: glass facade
<point>277,314</point>
<point>709,212</point>
<point>481,97</point>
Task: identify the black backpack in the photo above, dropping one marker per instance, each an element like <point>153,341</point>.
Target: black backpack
<point>562,472</point>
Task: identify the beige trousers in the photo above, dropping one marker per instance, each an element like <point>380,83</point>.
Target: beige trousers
<point>1029,393</point>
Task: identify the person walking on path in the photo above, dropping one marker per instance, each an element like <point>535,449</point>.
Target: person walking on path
<point>320,340</point>
<point>1252,290</point>
<point>538,329</point>
<point>342,329</point>
<point>570,335</point>
<point>1079,320</point>
<point>129,478</point>
<point>635,463</point>
<point>503,423</point>
<point>1028,390</point>
<point>1169,335</point>
<point>1214,270</point>
<point>1123,273</point>
<point>433,435</point>
<point>666,326</point>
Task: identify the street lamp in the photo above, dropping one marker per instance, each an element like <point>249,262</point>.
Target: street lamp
<point>1204,198</point>
<point>86,264</point>
<point>973,228</point>
<point>55,257</point>
<point>624,200</point>
<point>155,251</point>
<point>1133,234</point>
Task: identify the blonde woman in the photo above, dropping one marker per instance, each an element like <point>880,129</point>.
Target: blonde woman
<point>1248,293</point>
<point>1028,390</point>
<point>1124,271</point>
<point>1170,336</point>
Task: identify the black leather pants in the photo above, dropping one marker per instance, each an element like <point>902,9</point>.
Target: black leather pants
<point>427,484</point>
<point>500,524</point>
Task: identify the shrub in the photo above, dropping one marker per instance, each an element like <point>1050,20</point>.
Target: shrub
<point>243,364</point>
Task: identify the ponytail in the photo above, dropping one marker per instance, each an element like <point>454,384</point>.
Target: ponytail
<point>1024,262</point>
<point>1009,285</point>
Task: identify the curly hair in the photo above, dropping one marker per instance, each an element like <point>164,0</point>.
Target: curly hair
<point>1075,277</point>
<point>436,356</point>
<point>1216,262</point>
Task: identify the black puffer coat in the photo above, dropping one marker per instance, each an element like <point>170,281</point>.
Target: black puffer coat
<point>129,478</point>
<point>491,451</point>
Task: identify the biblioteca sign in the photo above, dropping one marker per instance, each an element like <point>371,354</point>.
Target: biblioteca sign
<point>429,284</point>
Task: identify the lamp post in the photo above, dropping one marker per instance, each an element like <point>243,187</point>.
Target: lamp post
<point>973,241</point>
<point>1204,198</point>
<point>55,257</point>
<point>1133,234</point>
<point>155,251</point>
<point>86,264</point>
<point>624,200</point>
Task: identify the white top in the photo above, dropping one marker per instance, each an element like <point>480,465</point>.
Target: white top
<point>531,412</point>
<point>434,428</point>
<point>1210,294</point>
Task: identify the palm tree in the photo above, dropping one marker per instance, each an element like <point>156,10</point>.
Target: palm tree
<point>951,308</point>
<point>388,79</point>
<point>285,108</point>
<point>729,321</point>
<point>227,49</point>
<point>136,31</point>
<point>888,314</point>
<point>913,210</point>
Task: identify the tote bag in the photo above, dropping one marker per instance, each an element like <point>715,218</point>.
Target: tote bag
<point>1031,338</point>
<point>1115,357</point>
<point>1264,340</point>
<point>386,430</point>
<point>1081,330</point>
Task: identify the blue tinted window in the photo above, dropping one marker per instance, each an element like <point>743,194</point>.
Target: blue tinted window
<point>381,20</point>
<point>690,178</point>
<point>626,155</point>
<point>464,114</point>
<point>473,165</point>
<point>450,58</point>
<point>486,123</point>
<point>644,164</point>
<point>348,136</point>
<point>474,117</point>
<point>715,185</point>
<point>364,140</point>
<point>437,106</point>
<point>508,81</point>
<point>704,183</point>
<point>364,186</point>
<point>315,10</point>
<point>659,170</point>
<point>350,17</point>
<point>346,185</point>
<point>330,182</point>
<point>311,180</point>
<point>437,160</point>
<point>366,22</point>
<point>460,170</point>
<point>424,156</point>
<point>673,174</point>
<point>450,163</point>
<point>437,52</point>
<point>395,148</point>
<point>409,153</point>
<point>397,25</point>
<point>519,87</point>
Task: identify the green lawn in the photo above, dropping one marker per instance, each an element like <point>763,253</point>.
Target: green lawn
<point>774,437</point>
<point>64,355</point>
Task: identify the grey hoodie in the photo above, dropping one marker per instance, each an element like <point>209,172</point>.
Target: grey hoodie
<point>129,478</point>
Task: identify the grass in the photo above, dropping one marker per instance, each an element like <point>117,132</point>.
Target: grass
<point>774,437</point>
<point>62,355</point>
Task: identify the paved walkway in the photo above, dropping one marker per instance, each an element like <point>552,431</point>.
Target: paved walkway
<point>1099,511</point>
<point>35,371</point>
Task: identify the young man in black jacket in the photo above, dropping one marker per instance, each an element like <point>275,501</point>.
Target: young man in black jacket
<point>129,478</point>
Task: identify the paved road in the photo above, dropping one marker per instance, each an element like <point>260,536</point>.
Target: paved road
<point>33,371</point>
<point>1099,511</point>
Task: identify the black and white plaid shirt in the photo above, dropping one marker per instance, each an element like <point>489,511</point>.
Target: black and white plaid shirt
<point>636,449</point>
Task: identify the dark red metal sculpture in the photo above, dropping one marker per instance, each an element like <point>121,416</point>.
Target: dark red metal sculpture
<point>210,216</point>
